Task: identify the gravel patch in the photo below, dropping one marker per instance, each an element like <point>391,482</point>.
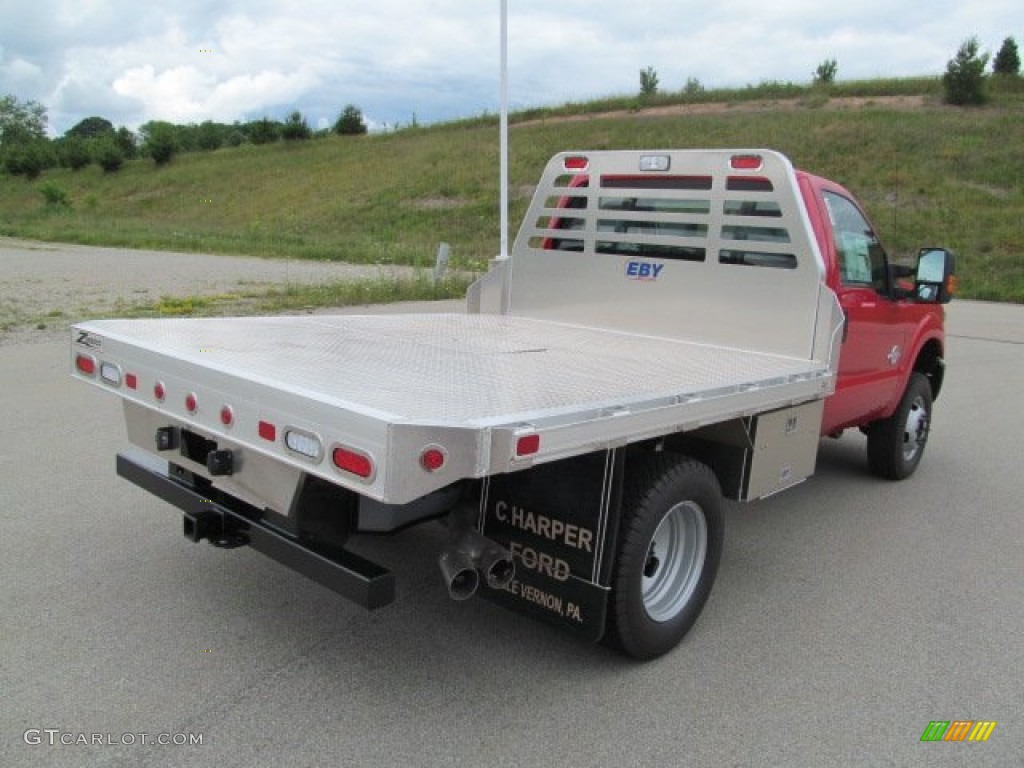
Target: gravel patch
<point>56,284</point>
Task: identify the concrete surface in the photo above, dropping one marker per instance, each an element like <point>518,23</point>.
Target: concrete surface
<point>848,614</point>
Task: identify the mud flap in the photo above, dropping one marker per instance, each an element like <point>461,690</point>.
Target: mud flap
<point>560,521</point>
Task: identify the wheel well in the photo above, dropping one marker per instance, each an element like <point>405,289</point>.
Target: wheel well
<point>930,363</point>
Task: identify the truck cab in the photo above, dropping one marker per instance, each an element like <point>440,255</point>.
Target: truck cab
<point>892,331</point>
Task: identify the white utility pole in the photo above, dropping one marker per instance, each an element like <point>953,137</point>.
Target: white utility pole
<point>503,121</point>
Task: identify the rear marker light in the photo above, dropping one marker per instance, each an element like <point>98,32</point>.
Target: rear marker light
<point>111,374</point>
<point>227,416</point>
<point>267,431</point>
<point>353,462</point>
<point>433,458</point>
<point>527,445</point>
<point>746,162</point>
<point>159,391</point>
<point>576,163</point>
<point>131,381</point>
<point>304,444</point>
<point>86,364</point>
<point>191,402</point>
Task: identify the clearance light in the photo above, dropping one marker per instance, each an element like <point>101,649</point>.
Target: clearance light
<point>576,164</point>
<point>304,444</point>
<point>352,461</point>
<point>655,162</point>
<point>131,381</point>
<point>159,391</point>
<point>433,458</point>
<point>86,364</point>
<point>746,162</point>
<point>227,416</point>
<point>267,431</point>
<point>527,445</point>
<point>191,402</point>
<point>111,374</point>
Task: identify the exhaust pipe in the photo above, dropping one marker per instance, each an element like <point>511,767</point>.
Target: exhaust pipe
<point>459,574</point>
<point>471,555</point>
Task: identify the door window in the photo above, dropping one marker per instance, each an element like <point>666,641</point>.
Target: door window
<point>862,260</point>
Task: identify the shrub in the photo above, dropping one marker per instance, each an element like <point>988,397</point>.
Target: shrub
<point>263,131</point>
<point>29,158</point>
<point>161,143</point>
<point>350,122</point>
<point>75,153</point>
<point>109,156</point>
<point>965,80</point>
<point>54,195</point>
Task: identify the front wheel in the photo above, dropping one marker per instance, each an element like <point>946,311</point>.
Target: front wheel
<point>896,444</point>
<point>669,548</point>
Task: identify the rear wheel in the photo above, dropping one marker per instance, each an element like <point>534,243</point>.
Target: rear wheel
<point>670,544</point>
<point>896,444</point>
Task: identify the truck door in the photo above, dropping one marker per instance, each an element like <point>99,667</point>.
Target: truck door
<point>875,335</point>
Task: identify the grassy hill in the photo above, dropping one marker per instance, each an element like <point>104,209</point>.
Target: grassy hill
<point>928,174</point>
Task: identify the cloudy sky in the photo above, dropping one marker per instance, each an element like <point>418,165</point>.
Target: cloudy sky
<point>193,60</point>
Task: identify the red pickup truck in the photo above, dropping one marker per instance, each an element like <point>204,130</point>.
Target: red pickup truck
<point>672,329</point>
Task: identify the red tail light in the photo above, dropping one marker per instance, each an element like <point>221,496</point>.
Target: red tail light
<point>527,445</point>
<point>86,364</point>
<point>352,461</point>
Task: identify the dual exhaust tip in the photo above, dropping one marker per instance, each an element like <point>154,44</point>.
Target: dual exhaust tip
<point>470,557</point>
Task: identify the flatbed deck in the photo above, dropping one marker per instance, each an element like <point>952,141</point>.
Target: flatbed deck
<point>454,370</point>
<point>484,378</point>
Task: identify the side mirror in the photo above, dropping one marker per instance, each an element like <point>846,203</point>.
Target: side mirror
<point>935,282</point>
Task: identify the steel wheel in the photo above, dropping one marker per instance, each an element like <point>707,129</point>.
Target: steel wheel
<point>915,432</point>
<point>896,444</point>
<point>670,543</point>
<point>675,561</point>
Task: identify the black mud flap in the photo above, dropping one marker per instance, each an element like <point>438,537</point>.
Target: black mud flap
<point>560,521</point>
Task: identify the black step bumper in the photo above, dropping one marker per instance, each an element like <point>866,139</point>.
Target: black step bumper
<point>229,522</point>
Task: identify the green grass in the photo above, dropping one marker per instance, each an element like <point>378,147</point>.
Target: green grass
<point>931,175</point>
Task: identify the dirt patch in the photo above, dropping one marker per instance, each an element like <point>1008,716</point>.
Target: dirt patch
<point>764,105</point>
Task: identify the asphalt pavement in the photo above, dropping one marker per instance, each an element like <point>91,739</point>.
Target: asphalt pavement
<point>848,614</point>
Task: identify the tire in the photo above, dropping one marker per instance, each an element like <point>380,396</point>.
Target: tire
<point>670,544</point>
<point>896,444</point>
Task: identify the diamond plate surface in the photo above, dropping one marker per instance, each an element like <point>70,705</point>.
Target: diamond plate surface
<point>451,370</point>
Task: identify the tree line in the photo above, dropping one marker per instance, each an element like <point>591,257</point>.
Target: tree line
<point>25,149</point>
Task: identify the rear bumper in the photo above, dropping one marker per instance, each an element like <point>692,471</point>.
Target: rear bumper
<point>229,522</point>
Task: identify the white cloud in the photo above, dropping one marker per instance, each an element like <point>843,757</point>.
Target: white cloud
<point>193,60</point>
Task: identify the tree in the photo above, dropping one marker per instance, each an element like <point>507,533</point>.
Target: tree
<point>350,122</point>
<point>648,82</point>
<point>21,121</point>
<point>125,141</point>
<point>1007,61</point>
<point>209,136</point>
<point>825,74</point>
<point>965,81</point>
<point>90,128</point>
<point>296,128</point>
<point>160,142</point>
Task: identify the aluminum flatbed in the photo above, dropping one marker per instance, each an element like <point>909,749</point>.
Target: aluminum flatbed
<point>381,383</point>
